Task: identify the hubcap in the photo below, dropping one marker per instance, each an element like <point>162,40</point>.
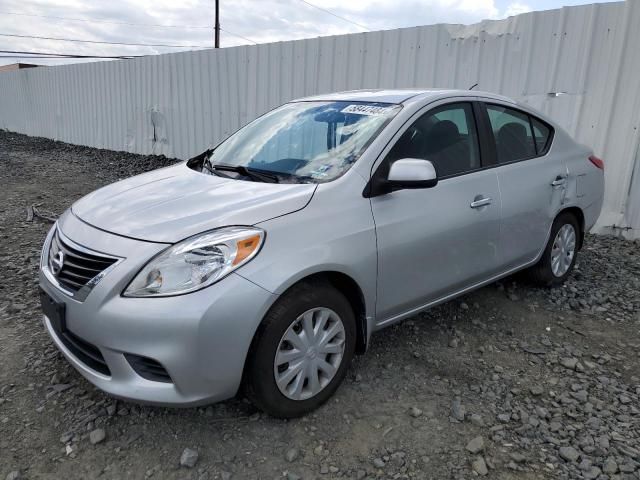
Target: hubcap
<point>563,250</point>
<point>309,353</point>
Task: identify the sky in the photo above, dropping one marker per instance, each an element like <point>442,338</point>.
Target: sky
<point>190,22</point>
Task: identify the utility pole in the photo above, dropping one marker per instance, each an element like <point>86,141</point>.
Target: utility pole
<point>217,26</point>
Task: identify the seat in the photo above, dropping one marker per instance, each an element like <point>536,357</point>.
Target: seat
<point>447,149</point>
<point>512,142</point>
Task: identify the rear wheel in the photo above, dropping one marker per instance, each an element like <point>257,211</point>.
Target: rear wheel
<point>301,351</point>
<point>559,256</point>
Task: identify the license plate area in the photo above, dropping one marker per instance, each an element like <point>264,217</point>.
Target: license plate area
<point>54,310</point>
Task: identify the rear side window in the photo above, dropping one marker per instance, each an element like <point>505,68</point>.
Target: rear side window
<point>518,135</point>
<point>512,132</point>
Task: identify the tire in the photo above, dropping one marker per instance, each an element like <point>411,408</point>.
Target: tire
<point>315,300</point>
<point>543,272</point>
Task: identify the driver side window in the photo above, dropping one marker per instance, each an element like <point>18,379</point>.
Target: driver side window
<point>447,136</point>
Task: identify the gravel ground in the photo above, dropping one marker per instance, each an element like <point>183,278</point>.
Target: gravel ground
<point>509,382</point>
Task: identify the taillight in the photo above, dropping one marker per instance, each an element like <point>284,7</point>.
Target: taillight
<point>597,162</point>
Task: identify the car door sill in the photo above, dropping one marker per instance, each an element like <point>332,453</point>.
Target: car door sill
<point>433,303</point>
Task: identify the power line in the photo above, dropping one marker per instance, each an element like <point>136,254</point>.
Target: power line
<point>335,15</point>
<point>23,57</point>
<point>239,36</point>
<point>67,55</point>
<point>102,42</point>
<point>106,21</point>
<point>154,25</point>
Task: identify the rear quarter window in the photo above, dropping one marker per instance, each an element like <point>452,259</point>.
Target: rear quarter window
<point>542,134</point>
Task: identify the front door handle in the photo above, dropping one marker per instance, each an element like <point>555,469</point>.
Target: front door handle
<point>559,181</point>
<point>480,201</point>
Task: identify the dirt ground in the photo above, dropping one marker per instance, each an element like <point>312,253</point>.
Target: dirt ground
<point>509,382</point>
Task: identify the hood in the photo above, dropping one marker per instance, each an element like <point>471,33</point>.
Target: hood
<point>170,204</point>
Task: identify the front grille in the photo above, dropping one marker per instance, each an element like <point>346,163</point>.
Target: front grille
<point>87,353</point>
<point>75,268</point>
<point>148,368</point>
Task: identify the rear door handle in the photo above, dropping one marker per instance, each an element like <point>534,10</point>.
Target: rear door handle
<point>559,181</point>
<point>480,202</point>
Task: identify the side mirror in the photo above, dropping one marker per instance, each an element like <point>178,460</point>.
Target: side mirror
<point>412,173</point>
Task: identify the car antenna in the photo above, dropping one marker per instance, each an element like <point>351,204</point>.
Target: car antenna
<point>473,86</point>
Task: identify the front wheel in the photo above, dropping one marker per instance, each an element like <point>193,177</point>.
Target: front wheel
<point>559,256</point>
<point>301,351</point>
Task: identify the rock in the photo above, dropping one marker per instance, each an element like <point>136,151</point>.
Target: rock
<point>292,455</point>
<point>458,411</point>
<point>415,412</point>
<point>628,467</point>
<point>569,363</point>
<point>61,387</point>
<point>624,399</point>
<point>476,445</point>
<point>15,475</point>
<point>569,454</point>
<point>189,458</point>
<point>536,390</point>
<point>477,420</point>
<point>379,463</point>
<point>224,475</point>
<point>610,466</point>
<point>542,412</point>
<point>592,473</point>
<point>518,457</point>
<point>582,396</point>
<point>504,417</point>
<point>96,436</point>
<point>480,466</point>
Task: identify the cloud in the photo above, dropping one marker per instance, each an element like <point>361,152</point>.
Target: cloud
<point>516,8</point>
<point>262,21</point>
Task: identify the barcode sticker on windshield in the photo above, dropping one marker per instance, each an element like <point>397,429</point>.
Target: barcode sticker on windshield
<point>374,110</point>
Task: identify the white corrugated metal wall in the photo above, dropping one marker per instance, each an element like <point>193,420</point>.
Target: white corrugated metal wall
<point>178,104</point>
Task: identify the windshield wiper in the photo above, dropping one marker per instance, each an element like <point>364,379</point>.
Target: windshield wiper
<point>252,173</point>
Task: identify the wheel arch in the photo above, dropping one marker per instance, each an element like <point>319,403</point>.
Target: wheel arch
<point>348,287</point>
<point>579,215</point>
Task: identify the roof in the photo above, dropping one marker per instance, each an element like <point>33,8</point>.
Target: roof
<point>401,95</point>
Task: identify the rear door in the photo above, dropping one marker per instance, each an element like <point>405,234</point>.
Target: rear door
<point>532,181</point>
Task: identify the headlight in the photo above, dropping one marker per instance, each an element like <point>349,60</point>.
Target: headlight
<point>196,262</point>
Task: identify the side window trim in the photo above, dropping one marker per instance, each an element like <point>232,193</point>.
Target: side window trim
<point>533,136</point>
<point>488,154</point>
<point>530,117</point>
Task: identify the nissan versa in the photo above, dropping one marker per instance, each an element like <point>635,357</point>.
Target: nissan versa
<point>267,262</point>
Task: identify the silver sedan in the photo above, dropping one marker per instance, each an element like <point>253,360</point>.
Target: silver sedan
<point>268,261</point>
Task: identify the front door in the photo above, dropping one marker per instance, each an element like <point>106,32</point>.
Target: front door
<point>436,241</point>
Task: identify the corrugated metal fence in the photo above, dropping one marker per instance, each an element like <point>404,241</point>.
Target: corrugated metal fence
<point>580,65</point>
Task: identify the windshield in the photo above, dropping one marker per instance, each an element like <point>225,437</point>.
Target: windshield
<point>302,141</point>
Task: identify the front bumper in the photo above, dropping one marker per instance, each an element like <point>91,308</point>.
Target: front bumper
<point>201,339</point>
